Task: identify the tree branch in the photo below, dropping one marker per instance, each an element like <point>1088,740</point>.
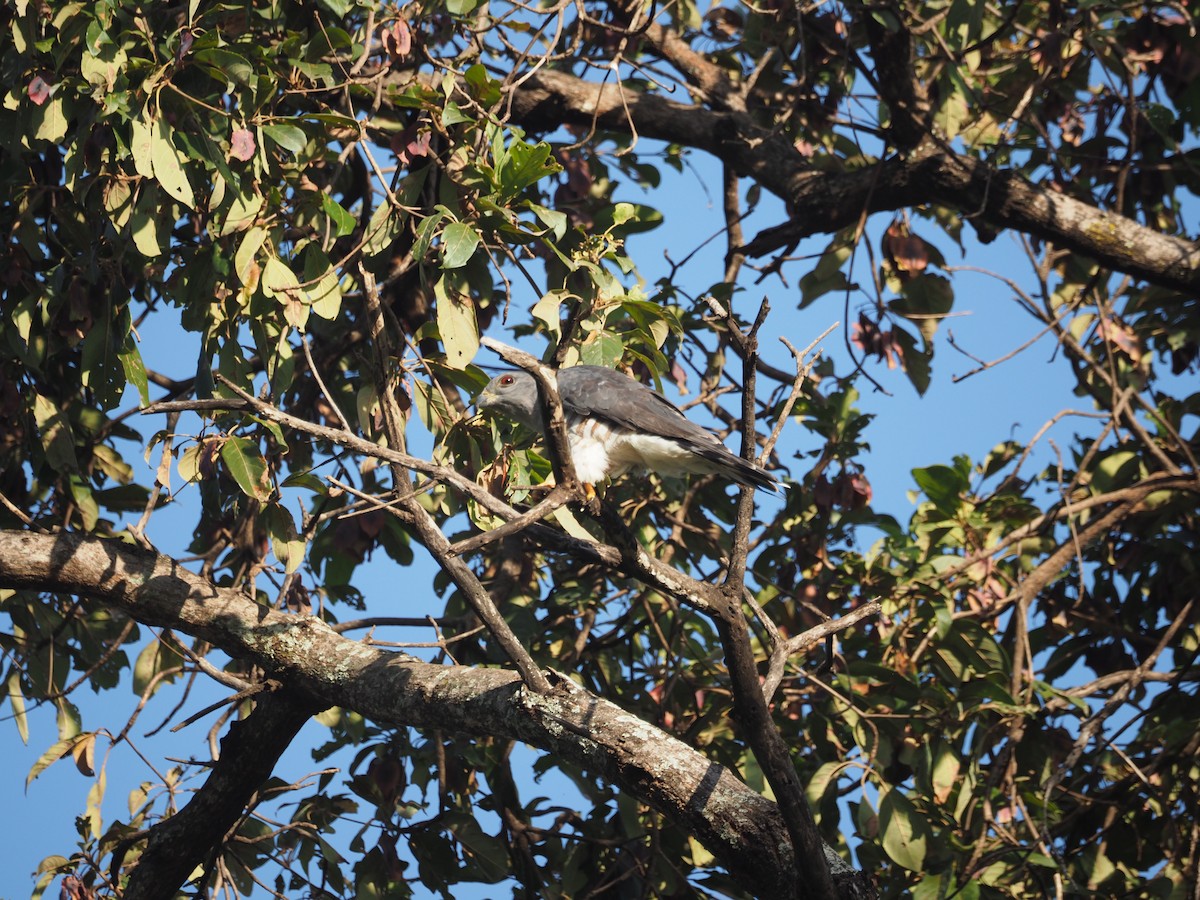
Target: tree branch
<point>742,829</point>
<point>249,753</point>
<point>426,530</point>
<point>824,202</point>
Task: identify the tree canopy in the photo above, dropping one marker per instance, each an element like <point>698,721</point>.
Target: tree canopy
<point>338,204</point>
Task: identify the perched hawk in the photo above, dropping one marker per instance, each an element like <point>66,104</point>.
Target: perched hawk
<point>616,424</point>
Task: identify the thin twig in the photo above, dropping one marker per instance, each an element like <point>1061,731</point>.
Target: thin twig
<point>810,638</point>
<point>802,373</point>
<point>316,374</point>
<point>558,497</point>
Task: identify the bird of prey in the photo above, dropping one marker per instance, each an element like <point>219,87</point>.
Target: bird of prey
<point>615,424</point>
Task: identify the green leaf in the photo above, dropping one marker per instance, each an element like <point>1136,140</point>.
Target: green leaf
<point>156,657</point>
<point>343,222</point>
<point>553,219</point>
<point>916,361</point>
<point>324,289</point>
<point>1116,470</point>
<point>166,165</point>
<point>338,7</point>
<point>49,869</point>
<point>143,226</point>
<point>946,767</point>
<point>822,779</point>
<point>457,323</point>
<point>57,751</point>
<point>306,480</point>
<point>85,503</point>
<point>287,545</point>
<point>943,485</point>
<point>280,282</point>
<point>50,121</point>
<point>486,850</point>
<point>484,88</point>
<point>135,369</point>
<point>246,253</point>
<point>459,241</point>
<point>188,465</point>
<point>549,310</point>
<point>225,65</point>
<point>57,439</point>
<point>527,165</point>
<point>426,231</point>
<point>386,223</point>
<point>571,525</point>
<point>453,115</point>
<point>622,213</point>
<point>926,301</point>
<point>601,348</point>
<point>243,211</point>
<point>141,140</point>
<point>68,719</point>
<point>827,275</point>
<point>1162,119</point>
<point>289,137</point>
<point>17,700</point>
<point>903,832</point>
<point>246,464</point>
<point>1096,865</point>
<point>101,366</point>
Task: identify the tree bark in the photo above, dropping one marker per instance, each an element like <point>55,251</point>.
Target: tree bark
<point>249,752</point>
<point>824,202</point>
<point>742,829</point>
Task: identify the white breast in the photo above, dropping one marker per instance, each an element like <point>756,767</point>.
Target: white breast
<point>601,451</point>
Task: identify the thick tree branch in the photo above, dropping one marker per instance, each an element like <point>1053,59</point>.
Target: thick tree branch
<point>899,86</point>
<point>710,79</point>
<point>249,753</point>
<point>825,202</point>
<point>742,829</point>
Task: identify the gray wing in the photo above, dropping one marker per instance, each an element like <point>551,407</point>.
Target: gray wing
<point>594,391</point>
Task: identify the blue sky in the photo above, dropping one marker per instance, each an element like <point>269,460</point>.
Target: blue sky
<point>1012,400</point>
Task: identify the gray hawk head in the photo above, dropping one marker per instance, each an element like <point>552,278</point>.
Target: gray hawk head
<point>615,424</point>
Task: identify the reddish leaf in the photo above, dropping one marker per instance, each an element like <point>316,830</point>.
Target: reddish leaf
<point>411,143</point>
<point>854,491</point>
<point>397,40</point>
<point>372,523</point>
<point>393,865</point>
<point>241,145</point>
<point>85,756</point>
<point>871,339</point>
<point>388,775</point>
<point>39,91</point>
<point>823,495</point>
<point>1122,337</point>
<point>73,888</point>
<point>578,172</point>
<point>298,599</point>
<point>679,376</point>
<point>905,251</point>
<point>186,39</point>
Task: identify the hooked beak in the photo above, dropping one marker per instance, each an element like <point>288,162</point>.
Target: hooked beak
<point>484,399</point>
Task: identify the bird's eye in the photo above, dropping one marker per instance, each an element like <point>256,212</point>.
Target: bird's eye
<point>506,380</point>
